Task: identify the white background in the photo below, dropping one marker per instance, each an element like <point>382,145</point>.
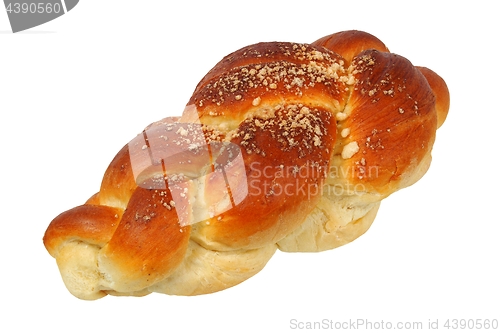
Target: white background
<point>75,90</point>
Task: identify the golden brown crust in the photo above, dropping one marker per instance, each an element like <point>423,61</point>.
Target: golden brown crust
<point>391,118</point>
<point>118,182</point>
<point>349,44</point>
<point>93,224</point>
<point>148,243</point>
<point>441,92</point>
<point>285,174</point>
<point>262,76</point>
<point>282,145</point>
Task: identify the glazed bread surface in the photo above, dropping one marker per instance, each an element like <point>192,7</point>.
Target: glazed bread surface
<point>282,145</point>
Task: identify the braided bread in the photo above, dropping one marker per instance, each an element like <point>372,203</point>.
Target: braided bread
<point>282,146</point>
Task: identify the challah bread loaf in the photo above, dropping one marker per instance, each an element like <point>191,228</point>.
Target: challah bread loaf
<point>282,146</point>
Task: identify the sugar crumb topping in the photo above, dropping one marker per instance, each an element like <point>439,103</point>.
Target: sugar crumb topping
<point>341,116</point>
<point>299,68</point>
<point>349,150</point>
<point>256,101</point>
<point>294,127</point>
<point>345,132</point>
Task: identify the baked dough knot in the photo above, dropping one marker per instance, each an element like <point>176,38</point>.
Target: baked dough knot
<point>282,146</point>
